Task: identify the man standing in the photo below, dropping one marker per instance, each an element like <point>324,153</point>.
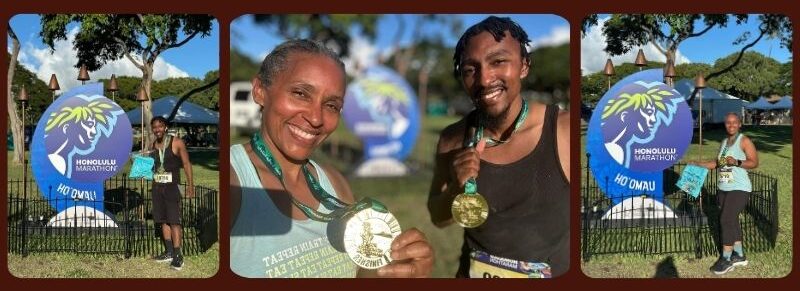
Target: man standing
<point>170,154</point>
<point>513,153</point>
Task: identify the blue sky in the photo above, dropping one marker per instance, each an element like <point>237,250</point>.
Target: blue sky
<point>256,40</point>
<point>715,44</point>
<point>193,59</point>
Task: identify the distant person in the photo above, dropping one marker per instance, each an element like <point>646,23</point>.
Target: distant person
<point>515,153</point>
<point>737,154</point>
<point>170,156</point>
<point>275,233</point>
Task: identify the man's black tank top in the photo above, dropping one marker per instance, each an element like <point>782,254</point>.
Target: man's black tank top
<point>528,207</point>
<point>172,163</point>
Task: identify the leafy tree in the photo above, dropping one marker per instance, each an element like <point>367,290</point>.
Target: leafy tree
<point>138,37</point>
<point>785,79</point>
<point>242,68</point>
<point>550,71</point>
<point>755,75</point>
<point>667,31</point>
<point>331,29</point>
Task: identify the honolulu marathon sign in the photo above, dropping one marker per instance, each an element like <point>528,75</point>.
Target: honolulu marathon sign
<point>381,109</point>
<point>82,139</point>
<point>640,127</point>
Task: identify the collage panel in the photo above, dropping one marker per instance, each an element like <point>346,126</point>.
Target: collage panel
<point>399,146</point>
<point>686,146</point>
<point>117,176</point>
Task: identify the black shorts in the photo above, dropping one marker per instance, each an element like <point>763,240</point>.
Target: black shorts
<point>166,203</point>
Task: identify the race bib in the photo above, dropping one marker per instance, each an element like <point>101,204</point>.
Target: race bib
<point>725,176</point>
<point>483,265</point>
<point>163,177</point>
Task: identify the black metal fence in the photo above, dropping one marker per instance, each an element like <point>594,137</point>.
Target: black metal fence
<point>125,227</point>
<point>638,225</point>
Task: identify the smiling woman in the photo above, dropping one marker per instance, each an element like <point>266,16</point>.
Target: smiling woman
<point>288,212</point>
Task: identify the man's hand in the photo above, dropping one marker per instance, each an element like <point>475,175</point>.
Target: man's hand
<point>467,163</point>
<point>190,191</point>
<point>412,257</point>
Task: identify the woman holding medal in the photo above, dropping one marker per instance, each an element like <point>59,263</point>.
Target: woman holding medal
<point>502,171</point>
<point>737,154</point>
<point>292,217</point>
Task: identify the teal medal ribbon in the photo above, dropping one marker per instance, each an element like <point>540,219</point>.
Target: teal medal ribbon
<point>340,208</point>
<point>470,209</point>
<point>722,157</point>
<point>161,151</point>
<point>492,142</point>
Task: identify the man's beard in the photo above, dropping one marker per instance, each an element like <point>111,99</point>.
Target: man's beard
<point>494,121</point>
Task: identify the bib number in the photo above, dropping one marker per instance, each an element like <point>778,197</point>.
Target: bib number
<point>725,176</point>
<point>163,178</point>
<point>483,265</point>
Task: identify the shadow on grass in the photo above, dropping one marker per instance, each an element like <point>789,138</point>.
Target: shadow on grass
<point>767,138</point>
<point>208,159</point>
<point>666,269</point>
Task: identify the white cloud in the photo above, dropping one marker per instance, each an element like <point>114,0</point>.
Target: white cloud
<point>593,58</point>
<point>64,57</point>
<point>558,35</point>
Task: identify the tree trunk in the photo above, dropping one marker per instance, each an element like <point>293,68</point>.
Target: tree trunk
<point>422,91</point>
<point>147,108</point>
<point>14,123</point>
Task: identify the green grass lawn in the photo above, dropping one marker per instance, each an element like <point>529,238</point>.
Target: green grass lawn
<point>774,144</point>
<point>205,169</point>
<point>71,265</point>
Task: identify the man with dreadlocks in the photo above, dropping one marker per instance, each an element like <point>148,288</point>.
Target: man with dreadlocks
<point>170,155</point>
<point>518,152</point>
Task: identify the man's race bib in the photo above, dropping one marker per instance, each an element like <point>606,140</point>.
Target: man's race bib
<point>163,177</point>
<point>483,265</point>
<point>725,175</point>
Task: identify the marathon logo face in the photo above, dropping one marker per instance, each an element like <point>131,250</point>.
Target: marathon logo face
<point>80,141</point>
<point>640,127</point>
<point>644,126</point>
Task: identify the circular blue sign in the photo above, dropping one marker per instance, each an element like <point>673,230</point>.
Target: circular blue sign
<point>82,139</point>
<point>640,127</point>
<point>381,108</point>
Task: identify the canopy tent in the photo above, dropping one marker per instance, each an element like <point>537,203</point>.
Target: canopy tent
<point>784,103</point>
<point>686,86</point>
<point>761,104</point>
<point>188,113</point>
<point>716,104</point>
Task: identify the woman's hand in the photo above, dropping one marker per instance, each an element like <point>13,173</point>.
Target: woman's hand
<point>412,256</point>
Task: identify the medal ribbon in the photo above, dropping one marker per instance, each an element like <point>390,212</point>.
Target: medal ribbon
<point>161,151</point>
<point>492,142</point>
<point>471,186</point>
<point>725,150</point>
<point>340,208</point>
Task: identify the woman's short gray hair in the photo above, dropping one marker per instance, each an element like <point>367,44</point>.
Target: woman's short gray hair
<point>276,60</point>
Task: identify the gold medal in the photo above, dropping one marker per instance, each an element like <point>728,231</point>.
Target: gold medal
<point>470,210</point>
<point>723,161</point>
<point>368,237</point>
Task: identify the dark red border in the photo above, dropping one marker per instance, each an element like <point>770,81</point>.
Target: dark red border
<point>572,10</point>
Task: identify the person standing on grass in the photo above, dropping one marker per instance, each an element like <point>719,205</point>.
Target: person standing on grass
<point>737,154</point>
<point>170,155</point>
